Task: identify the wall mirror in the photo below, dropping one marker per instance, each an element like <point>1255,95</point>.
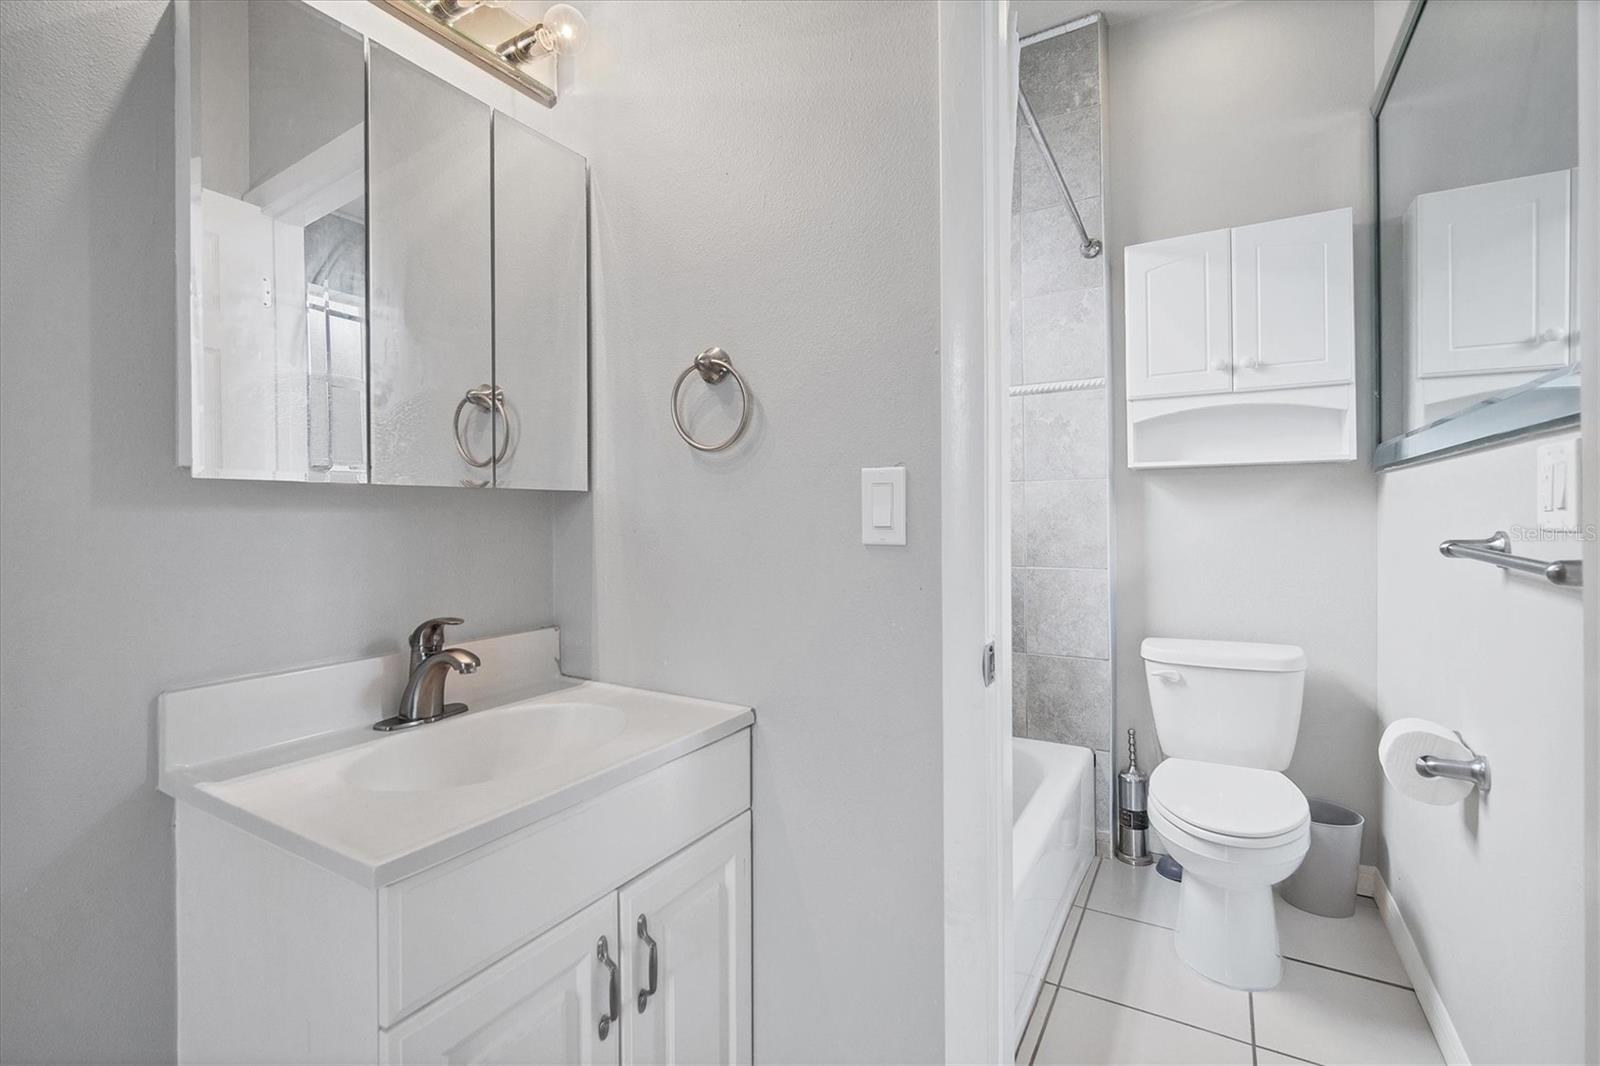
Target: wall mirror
<point>1477,149</point>
<point>387,279</point>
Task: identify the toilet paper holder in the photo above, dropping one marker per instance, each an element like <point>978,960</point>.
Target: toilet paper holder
<point>1475,769</point>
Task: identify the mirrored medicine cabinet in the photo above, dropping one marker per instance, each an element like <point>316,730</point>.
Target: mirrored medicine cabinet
<point>387,279</point>
<point>1477,149</point>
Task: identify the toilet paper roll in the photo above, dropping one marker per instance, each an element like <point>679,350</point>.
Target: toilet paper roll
<point>1408,738</point>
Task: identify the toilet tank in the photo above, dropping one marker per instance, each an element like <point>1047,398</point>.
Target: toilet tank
<point>1225,702</point>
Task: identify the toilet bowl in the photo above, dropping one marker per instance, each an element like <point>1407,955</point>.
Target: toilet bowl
<point>1237,831</point>
<point>1227,715</point>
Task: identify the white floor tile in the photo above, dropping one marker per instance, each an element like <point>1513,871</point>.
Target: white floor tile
<point>1084,1029</point>
<point>1359,944</point>
<point>1136,892</point>
<point>1058,960</point>
<point>1277,1058</point>
<point>1135,964</point>
<point>1335,1018</point>
<point>1035,1026</point>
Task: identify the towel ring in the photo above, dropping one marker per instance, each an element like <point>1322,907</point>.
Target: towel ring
<point>484,398</point>
<point>714,364</point>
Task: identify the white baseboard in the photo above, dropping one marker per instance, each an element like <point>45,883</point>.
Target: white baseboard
<point>1444,1030</point>
<point>1366,880</point>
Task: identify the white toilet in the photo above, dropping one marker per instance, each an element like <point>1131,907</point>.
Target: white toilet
<point>1227,716</point>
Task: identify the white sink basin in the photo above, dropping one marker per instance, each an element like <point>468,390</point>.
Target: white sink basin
<point>476,749</point>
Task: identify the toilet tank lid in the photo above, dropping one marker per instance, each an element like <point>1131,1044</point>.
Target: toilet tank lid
<point>1223,654</point>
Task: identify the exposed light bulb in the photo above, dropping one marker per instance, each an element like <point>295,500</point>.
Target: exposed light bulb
<point>564,30</point>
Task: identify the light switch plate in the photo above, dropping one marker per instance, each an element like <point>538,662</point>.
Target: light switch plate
<point>883,505</point>
<point>1557,503</point>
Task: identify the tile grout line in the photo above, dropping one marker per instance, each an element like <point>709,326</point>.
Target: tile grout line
<point>1251,996</point>
<point>1349,973</point>
<point>1055,989</point>
<point>1289,958</point>
<point>1153,1014</point>
<point>1044,1025</point>
<point>1037,999</point>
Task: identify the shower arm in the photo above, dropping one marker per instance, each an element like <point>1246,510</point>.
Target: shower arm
<point>1090,247</point>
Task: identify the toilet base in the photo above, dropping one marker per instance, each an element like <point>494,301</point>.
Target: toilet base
<point>1229,934</point>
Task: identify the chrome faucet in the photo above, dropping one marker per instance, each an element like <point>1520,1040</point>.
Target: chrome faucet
<point>431,663</point>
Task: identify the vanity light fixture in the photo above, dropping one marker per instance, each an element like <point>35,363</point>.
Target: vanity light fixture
<point>501,37</point>
<point>562,30</point>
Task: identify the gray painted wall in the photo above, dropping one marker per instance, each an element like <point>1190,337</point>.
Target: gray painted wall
<point>121,576</point>
<point>1220,115</point>
<point>1061,604</point>
<point>776,193</point>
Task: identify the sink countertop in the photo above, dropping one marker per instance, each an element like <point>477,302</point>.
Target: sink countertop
<point>377,807</point>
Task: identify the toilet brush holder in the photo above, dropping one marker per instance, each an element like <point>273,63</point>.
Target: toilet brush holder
<point>1133,816</point>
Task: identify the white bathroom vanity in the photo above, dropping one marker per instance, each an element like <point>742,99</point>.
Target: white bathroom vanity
<point>560,875</point>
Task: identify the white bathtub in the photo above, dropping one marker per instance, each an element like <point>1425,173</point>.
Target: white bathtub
<point>1052,847</point>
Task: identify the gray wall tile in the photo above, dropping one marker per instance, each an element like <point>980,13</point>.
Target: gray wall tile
<point>1074,139</point>
<point>1062,73</point>
<point>1019,524</point>
<point>1065,436</point>
<point>1064,523</point>
<point>1102,791</point>
<point>1061,336</point>
<point>1051,249</point>
<point>1068,700</point>
<point>1066,612</point>
<point>1019,407</point>
<point>1019,694</point>
<point>1019,643</point>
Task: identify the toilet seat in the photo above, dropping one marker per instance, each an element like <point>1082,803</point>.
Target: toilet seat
<point>1238,806</point>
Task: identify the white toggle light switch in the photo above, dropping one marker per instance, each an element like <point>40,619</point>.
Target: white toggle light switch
<point>1558,486</point>
<point>883,505</point>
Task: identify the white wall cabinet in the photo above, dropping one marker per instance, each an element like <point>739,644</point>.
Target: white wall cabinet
<point>1240,345</point>
<point>1491,284</point>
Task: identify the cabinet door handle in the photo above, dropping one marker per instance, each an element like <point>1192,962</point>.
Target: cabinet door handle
<point>614,985</point>
<point>650,988</point>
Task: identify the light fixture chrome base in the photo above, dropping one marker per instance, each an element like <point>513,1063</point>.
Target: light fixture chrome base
<point>390,725</point>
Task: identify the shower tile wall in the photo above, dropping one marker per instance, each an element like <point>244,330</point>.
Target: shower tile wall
<point>1060,440</point>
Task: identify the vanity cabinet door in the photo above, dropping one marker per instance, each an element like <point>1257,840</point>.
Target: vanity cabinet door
<point>696,921</point>
<point>1179,335</point>
<point>1294,302</point>
<point>428,218</point>
<point>541,1004</point>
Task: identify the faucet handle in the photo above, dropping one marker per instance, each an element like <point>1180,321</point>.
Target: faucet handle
<point>429,636</point>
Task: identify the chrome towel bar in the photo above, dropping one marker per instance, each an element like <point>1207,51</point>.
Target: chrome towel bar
<point>1496,550</point>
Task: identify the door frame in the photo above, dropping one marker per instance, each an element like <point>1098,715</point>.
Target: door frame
<point>975,130</point>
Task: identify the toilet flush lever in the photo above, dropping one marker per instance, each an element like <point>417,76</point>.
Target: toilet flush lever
<point>1171,677</point>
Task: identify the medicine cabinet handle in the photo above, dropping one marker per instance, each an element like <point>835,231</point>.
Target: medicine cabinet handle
<point>614,987</point>
<point>650,987</point>
<point>487,398</point>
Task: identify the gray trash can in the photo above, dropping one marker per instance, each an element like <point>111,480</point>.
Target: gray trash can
<point>1325,883</point>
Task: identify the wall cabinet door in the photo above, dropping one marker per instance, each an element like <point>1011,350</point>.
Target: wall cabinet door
<point>690,916</point>
<point>541,1004</point>
<point>1492,276</point>
<point>1179,337</point>
<point>429,252</point>
<point>1294,302</point>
